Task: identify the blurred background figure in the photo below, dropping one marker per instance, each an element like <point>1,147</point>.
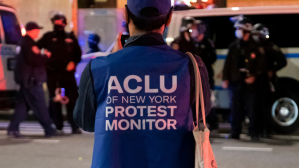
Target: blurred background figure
<point>66,54</point>
<point>205,48</point>
<point>184,42</point>
<point>276,60</point>
<point>246,74</point>
<point>30,74</point>
<point>93,43</point>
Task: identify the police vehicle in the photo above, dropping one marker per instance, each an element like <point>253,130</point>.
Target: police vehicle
<point>283,27</point>
<point>281,21</point>
<point>11,32</point>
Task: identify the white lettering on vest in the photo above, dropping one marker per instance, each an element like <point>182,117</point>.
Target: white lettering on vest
<point>117,85</point>
<point>174,84</point>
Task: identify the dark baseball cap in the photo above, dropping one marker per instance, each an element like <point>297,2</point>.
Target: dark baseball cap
<point>32,25</point>
<point>135,6</point>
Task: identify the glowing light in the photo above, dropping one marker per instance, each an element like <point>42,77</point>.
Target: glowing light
<point>204,0</point>
<point>193,1</point>
<point>169,39</point>
<point>23,30</point>
<point>72,25</point>
<point>190,30</point>
<point>172,2</point>
<point>187,2</point>
<point>267,36</point>
<point>235,8</point>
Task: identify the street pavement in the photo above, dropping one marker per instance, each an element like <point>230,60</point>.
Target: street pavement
<point>75,151</point>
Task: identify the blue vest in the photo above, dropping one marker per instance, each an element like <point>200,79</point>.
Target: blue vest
<point>144,117</point>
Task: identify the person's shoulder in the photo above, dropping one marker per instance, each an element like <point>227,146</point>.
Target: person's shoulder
<point>171,51</point>
<point>211,42</point>
<point>234,43</point>
<point>71,34</point>
<point>48,34</point>
<point>26,40</point>
<point>199,61</point>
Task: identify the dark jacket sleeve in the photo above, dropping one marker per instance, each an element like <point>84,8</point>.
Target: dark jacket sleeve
<point>212,53</point>
<point>205,87</point>
<point>280,60</point>
<point>77,48</point>
<point>227,66</point>
<point>41,43</point>
<point>33,59</point>
<point>85,109</point>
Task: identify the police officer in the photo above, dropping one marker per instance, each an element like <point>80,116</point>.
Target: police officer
<point>66,54</point>
<point>205,48</point>
<point>93,43</point>
<point>244,72</point>
<point>30,73</point>
<point>120,96</point>
<point>276,60</point>
<point>184,42</point>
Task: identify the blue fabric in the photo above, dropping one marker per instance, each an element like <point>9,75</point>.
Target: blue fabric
<point>131,143</point>
<point>135,6</point>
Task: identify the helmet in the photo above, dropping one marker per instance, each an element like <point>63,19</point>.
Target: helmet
<point>186,27</point>
<point>201,27</point>
<point>59,16</point>
<point>242,22</point>
<point>261,29</point>
<point>188,20</point>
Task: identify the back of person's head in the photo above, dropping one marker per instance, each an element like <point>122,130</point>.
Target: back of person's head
<point>149,15</point>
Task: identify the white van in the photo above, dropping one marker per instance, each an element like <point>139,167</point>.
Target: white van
<point>282,22</point>
<point>10,34</point>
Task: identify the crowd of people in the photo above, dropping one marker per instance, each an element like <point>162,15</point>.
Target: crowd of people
<point>52,59</point>
<point>249,71</point>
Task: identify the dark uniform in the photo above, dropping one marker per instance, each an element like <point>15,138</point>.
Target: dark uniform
<point>250,57</point>
<point>276,61</point>
<point>184,45</point>
<point>64,48</point>
<point>206,50</point>
<point>30,73</point>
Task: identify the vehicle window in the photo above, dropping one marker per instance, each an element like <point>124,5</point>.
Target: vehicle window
<point>11,27</point>
<point>283,29</point>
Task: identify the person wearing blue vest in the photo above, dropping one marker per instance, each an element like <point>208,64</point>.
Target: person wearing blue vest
<point>140,101</point>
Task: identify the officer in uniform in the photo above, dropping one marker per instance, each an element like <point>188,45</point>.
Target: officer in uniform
<point>245,72</point>
<point>66,54</point>
<point>93,43</point>
<point>30,73</point>
<point>276,60</point>
<point>184,42</point>
<point>120,96</point>
<point>205,48</point>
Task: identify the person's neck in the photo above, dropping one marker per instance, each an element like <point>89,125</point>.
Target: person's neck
<point>136,32</point>
<point>31,36</point>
